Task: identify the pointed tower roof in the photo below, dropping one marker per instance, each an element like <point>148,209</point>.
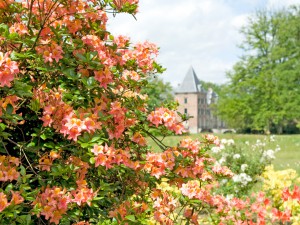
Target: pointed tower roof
<point>190,83</point>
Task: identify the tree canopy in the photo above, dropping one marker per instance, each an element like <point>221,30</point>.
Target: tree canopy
<point>263,93</point>
<point>159,92</point>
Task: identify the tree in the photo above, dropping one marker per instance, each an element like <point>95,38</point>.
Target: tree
<point>263,92</point>
<point>215,87</point>
<point>158,92</point>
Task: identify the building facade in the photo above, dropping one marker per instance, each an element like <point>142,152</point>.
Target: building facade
<point>196,102</point>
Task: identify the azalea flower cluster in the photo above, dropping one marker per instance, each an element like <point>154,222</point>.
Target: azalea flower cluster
<point>130,75</point>
<point>142,54</point>
<point>164,205</point>
<point>282,187</point>
<point>19,28</point>
<point>278,203</point>
<point>167,118</point>
<point>108,156</point>
<point>16,199</point>
<point>275,181</point>
<point>55,201</point>
<point>120,3</point>
<point>8,69</point>
<point>9,100</point>
<point>64,16</point>
<point>46,160</point>
<point>128,208</point>
<point>258,210</point>
<point>50,52</point>
<point>62,116</point>
<point>8,170</point>
<point>158,163</point>
<point>120,121</point>
<point>196,168</point>
<point>139,139</point>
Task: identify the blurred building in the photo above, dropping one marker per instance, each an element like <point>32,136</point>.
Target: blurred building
<point>196,102</point>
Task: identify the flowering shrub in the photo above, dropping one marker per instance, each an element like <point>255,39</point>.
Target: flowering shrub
<point>283,188</point>
<point>73,125</point>
<point>246,161</point>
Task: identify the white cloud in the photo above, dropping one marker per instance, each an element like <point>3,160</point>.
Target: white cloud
<point>240,20</point>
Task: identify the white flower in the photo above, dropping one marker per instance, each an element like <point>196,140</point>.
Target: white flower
<point>242,178</point>
<point>222,160</point>
<point>244,167</point>
<point>224,141</point>
<point>272,138</point>
<point>229,197</point>
<point>224,181</point>
<point>247,142</point>
<point>227,141</point>
<point>230,142</point>
<point>236,156</point>
<point>259,143</point>
<point>216,149</point>
<point>277,149</point>
<point>268,154</point>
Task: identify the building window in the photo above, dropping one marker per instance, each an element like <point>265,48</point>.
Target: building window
<point>185,100</point>
<point>185,111</point>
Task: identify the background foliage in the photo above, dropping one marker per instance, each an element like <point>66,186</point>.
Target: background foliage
<point>263,92</point>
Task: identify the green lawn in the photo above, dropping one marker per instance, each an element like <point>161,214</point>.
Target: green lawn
<point>287,157</point>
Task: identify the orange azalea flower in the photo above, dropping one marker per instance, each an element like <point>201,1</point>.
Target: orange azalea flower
<point>3,201</point>
<point>45,163</point>
<point>139,139</point>
<point>81,223</point>
<point>16,198</point>
<point>8,69</point>
<point>54,155</point>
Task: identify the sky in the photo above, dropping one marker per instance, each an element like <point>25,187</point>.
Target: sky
<point>203,34</point>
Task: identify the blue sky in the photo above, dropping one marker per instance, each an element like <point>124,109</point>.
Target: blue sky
<point>199,33</point>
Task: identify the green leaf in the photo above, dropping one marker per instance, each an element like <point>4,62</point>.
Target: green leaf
<point>131,218</point>
<point>49,145</point>
<point>95,139</point>
<point>34,105</point>
<point>43,136</point>
<point>9,109</point>
<point>2,126</point>
<point>92,160</point>
<point>9,187</point>
<point>22,89</point>
<point>23,170</point>
<point>81,57</point>
<point>28,219</point>
<point>70,73</point>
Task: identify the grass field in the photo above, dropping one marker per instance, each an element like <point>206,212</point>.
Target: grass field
<point>288,157</point>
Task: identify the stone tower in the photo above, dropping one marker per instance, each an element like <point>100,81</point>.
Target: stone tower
<point>195,102</point>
